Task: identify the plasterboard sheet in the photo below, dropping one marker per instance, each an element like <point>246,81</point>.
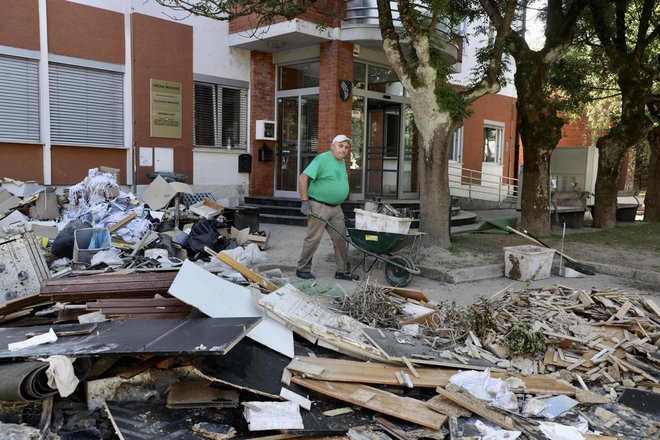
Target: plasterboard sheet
<point>219,298</point>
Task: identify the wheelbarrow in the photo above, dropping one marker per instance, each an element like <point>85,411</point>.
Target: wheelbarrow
<point>381,246</point>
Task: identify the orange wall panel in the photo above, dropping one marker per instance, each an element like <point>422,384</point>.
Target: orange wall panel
<point>19,24</point>
<point>82,31</point>
<point>22,162</point>
<point>69,165</point>
<point>329,13</point>
<point>262,90</point>
<point>497,108</point>
<point>162,50</point>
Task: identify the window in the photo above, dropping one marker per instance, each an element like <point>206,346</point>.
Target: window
<point>456,152</point>
<point>86,106</point>
<point>299,76</point>
<point>493,142</point>
<point>220,115</point>
<point>19,89</point>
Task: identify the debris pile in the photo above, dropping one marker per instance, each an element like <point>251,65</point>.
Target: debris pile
<point>153,341</point>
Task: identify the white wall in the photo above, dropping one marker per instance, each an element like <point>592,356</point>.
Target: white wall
<point>214,171</point>
<point>470,45</point>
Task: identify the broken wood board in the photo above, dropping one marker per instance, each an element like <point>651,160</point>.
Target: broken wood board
<point>267,416</point>
<point>311,318</point>
<point>407,292</point>
<point>219,298</point>
<point>477,406</point>
<point>24,267</point>
<point>200,394</point>
<point>109,286</point>
<point>121,223</point>
<point>398,345</point>
<point>238,267</point>
<point>167,337</point>
<point>145,308</point>
<point>340,370</point>
<point>377,400</point>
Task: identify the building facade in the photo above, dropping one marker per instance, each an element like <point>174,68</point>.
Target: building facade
<point>235,108</point>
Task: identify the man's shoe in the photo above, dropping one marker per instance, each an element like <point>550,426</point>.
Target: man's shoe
<point>305,275</point>
<point>346,276</point>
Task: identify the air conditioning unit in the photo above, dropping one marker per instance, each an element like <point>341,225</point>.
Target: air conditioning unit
<point>265,130</point>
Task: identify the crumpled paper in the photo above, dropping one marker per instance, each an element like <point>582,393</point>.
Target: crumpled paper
<point>482,386</point>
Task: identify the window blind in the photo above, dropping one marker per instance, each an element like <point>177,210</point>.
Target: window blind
<point>86,106</point>
<point>19,99</point>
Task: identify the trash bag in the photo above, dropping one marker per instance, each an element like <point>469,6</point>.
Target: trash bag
<point>63,244</point>
<point>203,233</point>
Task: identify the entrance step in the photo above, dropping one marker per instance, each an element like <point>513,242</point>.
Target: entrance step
<point>286,211</point>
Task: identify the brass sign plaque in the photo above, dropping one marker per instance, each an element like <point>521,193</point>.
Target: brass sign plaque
<point>165,109</point>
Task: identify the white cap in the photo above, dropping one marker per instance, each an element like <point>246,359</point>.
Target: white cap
<point>341,138</point>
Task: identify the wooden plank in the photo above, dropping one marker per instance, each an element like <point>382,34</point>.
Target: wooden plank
<point>478,407</point>
<point>128,303</point>
<point>339,370</point>
<point>652,306</point>
<point>220,298</point>
<point>247,273</point>
<point>404,408</point>
<point>121,223</point>
<point>407,292</point>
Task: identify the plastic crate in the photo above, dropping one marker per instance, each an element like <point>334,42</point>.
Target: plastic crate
<point>372,221</point>
<point>82,241</point>
<point>526,262</point>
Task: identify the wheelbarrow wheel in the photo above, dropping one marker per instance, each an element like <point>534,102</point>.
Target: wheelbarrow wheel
<point>397,276</point>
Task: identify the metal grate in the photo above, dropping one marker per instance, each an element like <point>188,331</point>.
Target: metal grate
<point>191,199</point>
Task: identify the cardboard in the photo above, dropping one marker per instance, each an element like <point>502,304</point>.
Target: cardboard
<point>109,170</point>
<point>44,229</point>
<point>243,236</point>
<point>207,208</point>
<point>46,206</point>
<point>159,194</point>
<point>15,217</point>
<point>7,202</point>
<point>21,189</point>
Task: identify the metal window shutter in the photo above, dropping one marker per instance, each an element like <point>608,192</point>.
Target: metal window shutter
<point>204,115</point>
<point>19,99</point>
<point>86,106</point>
<point>233,115</point>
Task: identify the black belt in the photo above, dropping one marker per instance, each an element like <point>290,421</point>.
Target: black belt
<point>323,203</point>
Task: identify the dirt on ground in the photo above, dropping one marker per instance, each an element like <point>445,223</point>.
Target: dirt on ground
<point>635,245</point>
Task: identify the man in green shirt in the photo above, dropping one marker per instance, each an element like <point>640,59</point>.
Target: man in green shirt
<point>323,187</point>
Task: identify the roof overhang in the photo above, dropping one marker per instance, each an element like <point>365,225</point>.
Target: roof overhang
<point>287,35</point>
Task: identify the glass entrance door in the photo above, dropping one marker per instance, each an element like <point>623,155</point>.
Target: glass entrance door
<point>382,150</point>
<point>298,134</point>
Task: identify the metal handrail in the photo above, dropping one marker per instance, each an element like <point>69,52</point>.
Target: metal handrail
<point>478,183</point>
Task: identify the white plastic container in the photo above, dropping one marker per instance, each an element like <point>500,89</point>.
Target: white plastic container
<point>372,221</point>
<point>523,262</point>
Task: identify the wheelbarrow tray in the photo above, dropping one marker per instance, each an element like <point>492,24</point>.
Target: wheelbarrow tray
<point>380,242</point>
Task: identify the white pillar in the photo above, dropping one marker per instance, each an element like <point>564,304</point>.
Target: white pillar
<point>44,98</point>
<point>128,93</point>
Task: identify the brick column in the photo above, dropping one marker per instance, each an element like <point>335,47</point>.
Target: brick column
<point>262,106</point>
<point>336,64</point>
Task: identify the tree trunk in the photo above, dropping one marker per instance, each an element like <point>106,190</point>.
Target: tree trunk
<point>540,131</point>
<point>613,147</point>
<point>611,154</point>
<point>652,198</point>
<point>434,199</point>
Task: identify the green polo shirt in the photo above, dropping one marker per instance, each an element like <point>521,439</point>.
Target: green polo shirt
<point>328,179</point>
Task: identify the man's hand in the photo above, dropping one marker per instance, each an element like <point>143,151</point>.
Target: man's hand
<point>306,207</point>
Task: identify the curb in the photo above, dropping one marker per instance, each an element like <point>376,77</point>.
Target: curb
<point>626,272</point>
<point>463,275</point>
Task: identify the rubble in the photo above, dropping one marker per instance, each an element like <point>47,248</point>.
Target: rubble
<point>176,331</point>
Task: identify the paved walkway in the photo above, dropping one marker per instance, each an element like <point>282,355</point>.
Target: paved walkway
<point>286,242</point>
